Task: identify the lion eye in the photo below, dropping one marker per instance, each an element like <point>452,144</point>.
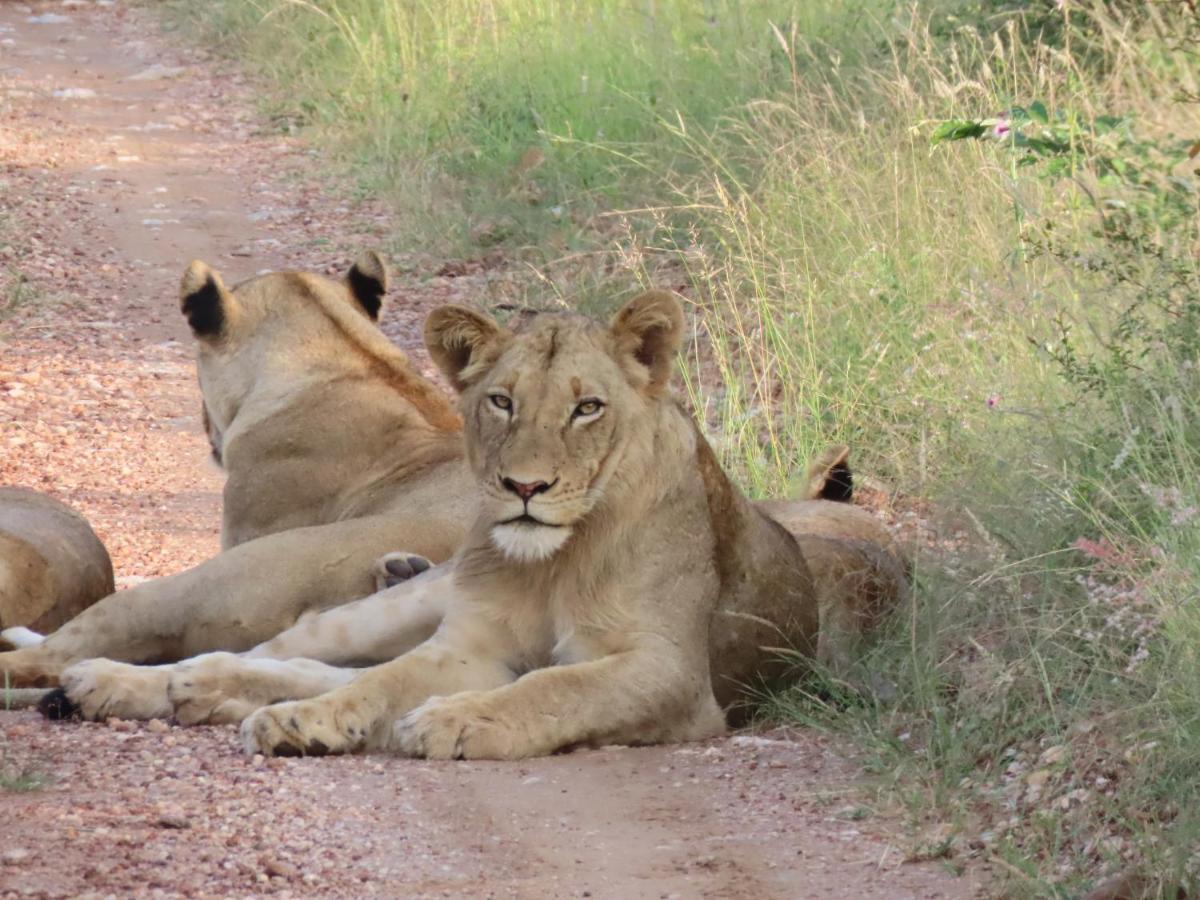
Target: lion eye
<point>501,401</point>
<point>587,408</point>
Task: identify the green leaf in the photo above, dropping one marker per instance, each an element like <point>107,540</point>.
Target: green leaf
<point>957,130</point>
<point>1037,111</point>
<point>1058,167</point>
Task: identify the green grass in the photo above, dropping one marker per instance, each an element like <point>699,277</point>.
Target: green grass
<point>471,111</point>
<point>21,781</point>
<point>1011,349</point>
<point>12,779</point>
<point>16,292</point>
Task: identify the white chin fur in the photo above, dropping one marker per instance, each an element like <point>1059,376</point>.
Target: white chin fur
<point>529,543</point>
<point>20,637</point>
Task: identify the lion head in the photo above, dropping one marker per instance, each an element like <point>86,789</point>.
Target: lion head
<point>555,410</point>
<point>230,325</point>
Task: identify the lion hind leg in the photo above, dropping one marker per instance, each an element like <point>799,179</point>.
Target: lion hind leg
<point>859,586</point>
<point>223,689</point>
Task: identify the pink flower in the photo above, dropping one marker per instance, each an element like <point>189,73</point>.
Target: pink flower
<point>1104,553</point>
<point>993,400</point>
<point>1001,129</point>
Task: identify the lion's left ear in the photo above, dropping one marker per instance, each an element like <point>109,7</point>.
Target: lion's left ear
<point>463,342</point>
<point>650,329</point>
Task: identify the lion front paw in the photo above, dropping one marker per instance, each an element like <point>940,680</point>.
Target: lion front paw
<point>205,691</point>
<point>305,728</point>
<point>96,689</point>
<point>458,727</point>
<point>392,569</point>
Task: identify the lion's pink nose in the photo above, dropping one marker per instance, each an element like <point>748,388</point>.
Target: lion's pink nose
<point>525,489</point>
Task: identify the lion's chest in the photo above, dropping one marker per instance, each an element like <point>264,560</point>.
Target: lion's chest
<point>563,628</point>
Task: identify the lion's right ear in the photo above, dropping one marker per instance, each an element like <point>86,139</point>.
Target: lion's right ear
<point>464,343</point>
<point>204,300</point>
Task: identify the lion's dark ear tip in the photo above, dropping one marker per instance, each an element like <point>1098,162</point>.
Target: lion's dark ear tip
<point>839,484</point>
<point>368,280</point>
<point>203,307</point>
<point>195,276</point>
<point>830,477</point>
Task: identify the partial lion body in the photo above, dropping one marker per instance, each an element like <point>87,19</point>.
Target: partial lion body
<point>52,565</point>
<point>337,451</point>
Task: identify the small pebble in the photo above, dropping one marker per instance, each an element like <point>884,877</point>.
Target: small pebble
<point>174,820</point>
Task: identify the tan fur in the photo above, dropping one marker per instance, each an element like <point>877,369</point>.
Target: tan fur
<point>52,565</point>
<point>639,593</point>
<point>337,451</point>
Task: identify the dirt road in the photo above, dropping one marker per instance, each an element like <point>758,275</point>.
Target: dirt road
<point>123,156</point>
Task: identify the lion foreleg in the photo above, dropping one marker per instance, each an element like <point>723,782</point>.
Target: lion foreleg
<point>222,689</point>
<point>645,695</point>
<point>361,715</point>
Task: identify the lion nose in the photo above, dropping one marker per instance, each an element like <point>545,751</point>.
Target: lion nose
<point>525,489</point>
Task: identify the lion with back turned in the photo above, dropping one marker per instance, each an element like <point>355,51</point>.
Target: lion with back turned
<point>613,587</point>
<point>336,449</point>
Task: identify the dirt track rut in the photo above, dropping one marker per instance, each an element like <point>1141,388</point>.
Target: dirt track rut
<point>122,156</point>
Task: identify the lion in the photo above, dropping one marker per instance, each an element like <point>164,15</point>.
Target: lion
<point>614,587</point>
<point>336,448</point>
<point>52,564</point>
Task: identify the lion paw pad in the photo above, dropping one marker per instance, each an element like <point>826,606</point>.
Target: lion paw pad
<point>395,568</point>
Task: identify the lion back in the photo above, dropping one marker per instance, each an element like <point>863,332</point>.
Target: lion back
<point>860,572</point>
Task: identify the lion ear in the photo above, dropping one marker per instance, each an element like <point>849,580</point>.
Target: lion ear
<point>368,283</point>
<point>208,306</point>
<point>829,477</point>
<point>464,343</point>
<point>649,328</point>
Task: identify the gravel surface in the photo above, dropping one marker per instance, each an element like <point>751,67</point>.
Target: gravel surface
<point>150,809</point>
<point>123,156</point>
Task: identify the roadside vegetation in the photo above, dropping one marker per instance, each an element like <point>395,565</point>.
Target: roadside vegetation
<point>12,778</point>
<point>961,236</point>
